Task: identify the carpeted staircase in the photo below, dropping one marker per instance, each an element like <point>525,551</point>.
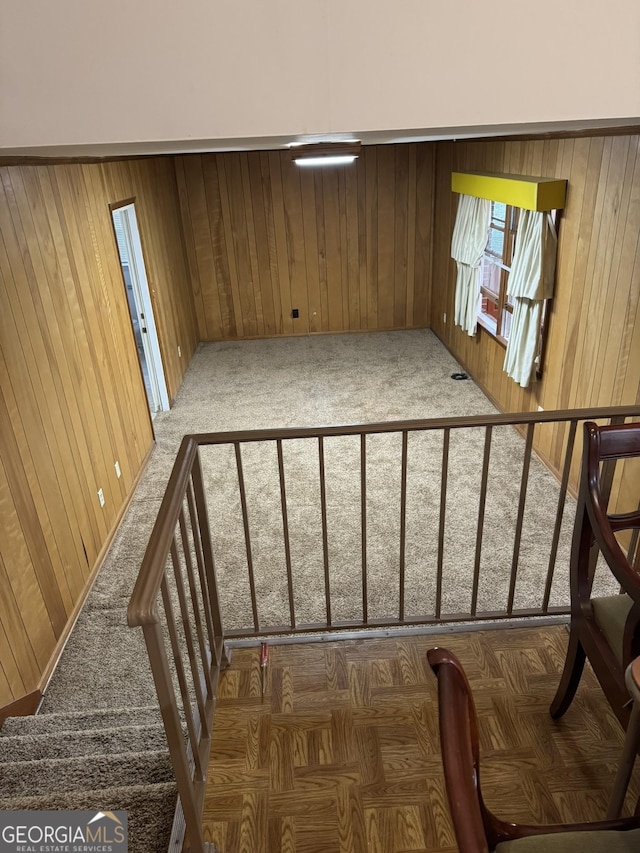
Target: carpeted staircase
<point>102,759</point>
<point>98,741</point>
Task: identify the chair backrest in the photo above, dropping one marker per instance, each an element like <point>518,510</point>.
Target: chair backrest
<point>604,444</point>
<point>460,753</point>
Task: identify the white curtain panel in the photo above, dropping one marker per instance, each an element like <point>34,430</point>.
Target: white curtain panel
<point>530,283</point>
<point>470,235</point>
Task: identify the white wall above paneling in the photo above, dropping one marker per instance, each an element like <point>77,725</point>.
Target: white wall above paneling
<point>153,75</point>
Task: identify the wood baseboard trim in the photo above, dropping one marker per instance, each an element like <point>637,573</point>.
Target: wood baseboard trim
<point>315,334</point>
<point>22,707</point>
<point>466,369</point>
<point>555,472</point>
<point>73,618</point>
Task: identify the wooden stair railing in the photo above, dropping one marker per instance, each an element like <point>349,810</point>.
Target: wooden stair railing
<point>175,599</point>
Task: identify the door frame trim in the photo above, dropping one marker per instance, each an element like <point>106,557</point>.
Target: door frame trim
<point>149,313</point>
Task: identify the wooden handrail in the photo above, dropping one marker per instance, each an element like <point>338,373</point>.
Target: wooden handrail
<point>143,604</point>
<point>507,419</point>
<point>142,609</point>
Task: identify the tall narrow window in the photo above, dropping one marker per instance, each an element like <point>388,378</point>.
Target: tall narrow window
<point>496,308</point>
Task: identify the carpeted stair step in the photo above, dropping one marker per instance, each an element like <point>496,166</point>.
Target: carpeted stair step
<point>88,743</point>
<point>116,579</point>
<point>150,810</point>
<point>41,776</point>
<point>117,679</point>
<point>102,718</point>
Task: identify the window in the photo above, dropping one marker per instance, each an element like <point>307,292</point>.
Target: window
<point>496,308</point>
<point>507,247</point>
<point>495,311</point>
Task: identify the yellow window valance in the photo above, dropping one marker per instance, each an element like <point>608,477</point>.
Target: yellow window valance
<point>517,190</point>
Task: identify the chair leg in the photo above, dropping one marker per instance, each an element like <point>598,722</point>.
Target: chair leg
<point>571,674</point>
<point>625,766</point>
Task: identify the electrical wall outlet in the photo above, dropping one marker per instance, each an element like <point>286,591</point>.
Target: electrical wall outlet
<point>116,465</point>
<point>101,497</point>
<point>295,314</point>
<point>179,351</point>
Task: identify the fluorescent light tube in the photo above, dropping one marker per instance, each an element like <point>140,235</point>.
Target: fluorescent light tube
<point>333,160</point>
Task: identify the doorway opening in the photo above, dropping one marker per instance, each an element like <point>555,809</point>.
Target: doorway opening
<point>136,284</point>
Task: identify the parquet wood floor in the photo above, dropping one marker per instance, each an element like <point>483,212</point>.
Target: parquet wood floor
<point>342,755</point>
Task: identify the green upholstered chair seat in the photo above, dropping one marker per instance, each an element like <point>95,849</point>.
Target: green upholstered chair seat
<point>610,614</point>
<point>575,842</point>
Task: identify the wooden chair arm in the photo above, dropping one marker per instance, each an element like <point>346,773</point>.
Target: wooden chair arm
<point>477,829</point>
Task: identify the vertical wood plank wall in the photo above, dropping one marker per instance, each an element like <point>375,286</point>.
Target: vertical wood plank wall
<point>349,247</point>
<point>593,348</point>
<point>71,394</point>
<point>360,249</point>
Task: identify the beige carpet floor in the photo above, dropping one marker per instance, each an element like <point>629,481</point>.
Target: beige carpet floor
<point>342,379</point>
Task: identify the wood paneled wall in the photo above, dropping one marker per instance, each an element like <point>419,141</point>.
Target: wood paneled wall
<point>72,400</point>
<point>593,348</point>
<point>352,249</point>
<point>349,247</point>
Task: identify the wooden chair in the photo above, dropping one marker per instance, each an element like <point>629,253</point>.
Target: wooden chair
<point>607,629</point>
<point>476,828</point>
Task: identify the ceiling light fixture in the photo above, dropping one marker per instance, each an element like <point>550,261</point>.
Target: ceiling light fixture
<point>325,153</point>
